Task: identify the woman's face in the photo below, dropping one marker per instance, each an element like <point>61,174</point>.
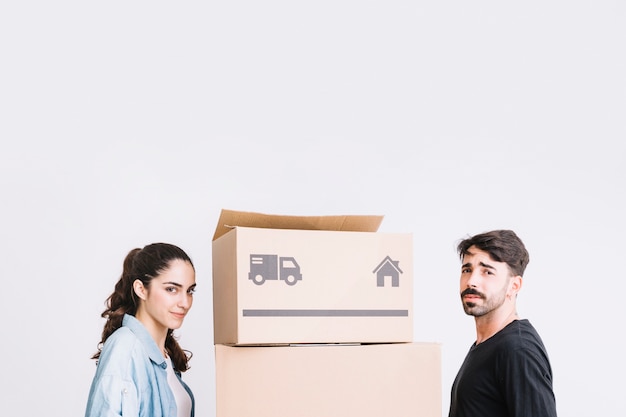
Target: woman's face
<point>169,297</point>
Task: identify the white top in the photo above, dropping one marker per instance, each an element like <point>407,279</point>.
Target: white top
<point>183,400</point>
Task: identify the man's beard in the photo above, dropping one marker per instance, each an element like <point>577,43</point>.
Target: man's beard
<point>488,305</point>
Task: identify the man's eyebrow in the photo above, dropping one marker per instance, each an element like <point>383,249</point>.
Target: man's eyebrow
<point>486,265</point>
<point>469,264</point>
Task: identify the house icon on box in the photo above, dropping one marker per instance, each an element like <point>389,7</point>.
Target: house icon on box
<point>388,268</point>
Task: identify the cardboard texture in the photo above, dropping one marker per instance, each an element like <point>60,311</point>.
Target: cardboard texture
<point>399,379</point>
<point>352,223</point>
<point>279,286</point>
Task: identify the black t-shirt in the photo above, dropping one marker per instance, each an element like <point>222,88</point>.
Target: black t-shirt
<point>507,375</point>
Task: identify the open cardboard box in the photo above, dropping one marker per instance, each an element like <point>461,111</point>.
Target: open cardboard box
<point>319,279</point>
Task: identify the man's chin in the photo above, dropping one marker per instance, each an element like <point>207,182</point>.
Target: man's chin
<point>471,309</point>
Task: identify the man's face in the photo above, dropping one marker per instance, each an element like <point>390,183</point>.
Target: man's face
<point>485,283</point>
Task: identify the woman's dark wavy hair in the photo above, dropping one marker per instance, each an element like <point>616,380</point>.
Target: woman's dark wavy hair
<point>502,246</point>
<point>144,265</point>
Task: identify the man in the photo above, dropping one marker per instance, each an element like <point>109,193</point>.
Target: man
<point>506,372</point>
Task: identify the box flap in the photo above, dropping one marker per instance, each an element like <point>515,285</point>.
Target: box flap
<point>346,223</point>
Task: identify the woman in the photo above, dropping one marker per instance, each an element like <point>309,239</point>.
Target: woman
<point>139,361</point>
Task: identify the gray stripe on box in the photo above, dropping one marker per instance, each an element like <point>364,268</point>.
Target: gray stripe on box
<point>325,313</point>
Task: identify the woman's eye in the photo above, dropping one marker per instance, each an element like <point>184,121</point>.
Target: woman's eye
<point>191,291</point>
<point>171,289</point>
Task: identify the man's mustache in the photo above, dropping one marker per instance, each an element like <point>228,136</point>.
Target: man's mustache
<point>472,291</point>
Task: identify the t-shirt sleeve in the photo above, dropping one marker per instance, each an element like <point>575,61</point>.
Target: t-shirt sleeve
<point>527,383</point>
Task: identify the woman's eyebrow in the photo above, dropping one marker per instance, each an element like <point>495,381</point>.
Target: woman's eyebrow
<point>176,284</point>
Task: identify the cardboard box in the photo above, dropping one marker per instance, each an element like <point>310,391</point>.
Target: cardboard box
<point>398,379</point>
<point>328,279</point>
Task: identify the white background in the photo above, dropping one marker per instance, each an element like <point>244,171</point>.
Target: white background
<point>125,123</point>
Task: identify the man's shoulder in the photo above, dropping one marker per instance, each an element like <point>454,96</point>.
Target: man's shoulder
<point>518,336</point>
<point>519,328</point>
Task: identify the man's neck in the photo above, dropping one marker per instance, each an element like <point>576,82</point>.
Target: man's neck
<point>488,325</point>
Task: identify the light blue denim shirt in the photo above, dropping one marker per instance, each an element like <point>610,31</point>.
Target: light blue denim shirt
<point>131,377</point>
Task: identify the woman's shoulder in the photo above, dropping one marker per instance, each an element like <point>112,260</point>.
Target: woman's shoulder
<point>123,336</point>
<point>121,352</point>
<point>121,342</point>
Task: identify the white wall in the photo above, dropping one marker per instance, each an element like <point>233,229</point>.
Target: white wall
<point>128,123</point>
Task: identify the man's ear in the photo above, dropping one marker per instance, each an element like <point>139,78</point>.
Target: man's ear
<point>516,285</point>
<point>139,289</point>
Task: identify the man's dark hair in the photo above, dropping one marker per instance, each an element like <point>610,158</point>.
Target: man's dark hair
<point>502,246</point>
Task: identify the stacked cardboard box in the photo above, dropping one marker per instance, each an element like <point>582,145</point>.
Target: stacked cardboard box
<point>313,316</point>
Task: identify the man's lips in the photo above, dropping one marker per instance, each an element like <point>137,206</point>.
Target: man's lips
<point>471,295</point>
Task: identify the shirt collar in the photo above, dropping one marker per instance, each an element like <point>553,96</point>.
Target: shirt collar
<point>146,339</point>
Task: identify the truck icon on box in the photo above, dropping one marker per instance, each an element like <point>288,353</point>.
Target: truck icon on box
<point>273,267</point>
